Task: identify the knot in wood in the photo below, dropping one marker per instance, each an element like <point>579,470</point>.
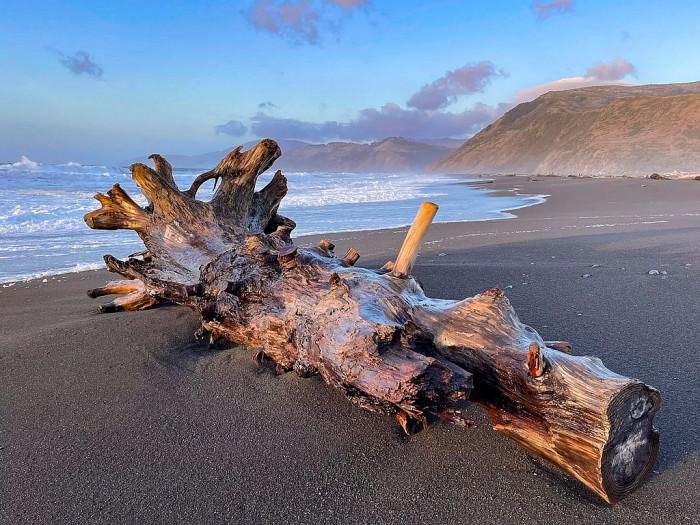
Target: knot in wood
<point>536,363</point>
<point>350,257</point>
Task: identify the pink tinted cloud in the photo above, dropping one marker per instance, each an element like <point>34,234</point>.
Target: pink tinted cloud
<point>389,120</point>
<point>545,9</point>
<point>463,81</point>
<point>296,20</point>
<point>616,69</point>
<point>613,72</point>
<point>348,4</point>
<point>262,16</point>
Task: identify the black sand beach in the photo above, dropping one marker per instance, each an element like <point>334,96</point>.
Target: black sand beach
<point>125,418</point>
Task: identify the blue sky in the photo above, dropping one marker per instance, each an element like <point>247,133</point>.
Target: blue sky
<point>106,81</point>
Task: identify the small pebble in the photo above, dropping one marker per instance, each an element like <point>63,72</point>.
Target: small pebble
<point>653,272</point>
<point>509,286</point>
<point>441,254</point>
<point>664,272</point>
<point>586,275</point>
<point>595,266</point>
<point>45,281</point>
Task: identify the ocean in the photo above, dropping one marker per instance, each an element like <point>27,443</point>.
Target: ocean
<point>41,208</point>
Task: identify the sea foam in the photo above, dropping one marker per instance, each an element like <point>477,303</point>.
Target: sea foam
<point>42,231</point>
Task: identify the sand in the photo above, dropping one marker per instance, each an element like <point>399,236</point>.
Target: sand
<point>125,418</point>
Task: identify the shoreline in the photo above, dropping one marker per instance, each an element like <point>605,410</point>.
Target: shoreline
<point>126,417</point>
<point>506,213</point>
<point>500,185</point>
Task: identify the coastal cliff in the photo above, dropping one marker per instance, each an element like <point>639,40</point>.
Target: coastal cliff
<point>598,131</point>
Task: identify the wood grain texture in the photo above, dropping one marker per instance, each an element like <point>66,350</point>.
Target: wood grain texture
<point>373,334</point>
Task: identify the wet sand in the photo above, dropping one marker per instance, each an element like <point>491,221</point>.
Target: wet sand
<point>126,418</point>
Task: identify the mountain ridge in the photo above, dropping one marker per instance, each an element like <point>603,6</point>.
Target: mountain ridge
<point>387,155</point>
<point>599,131</point>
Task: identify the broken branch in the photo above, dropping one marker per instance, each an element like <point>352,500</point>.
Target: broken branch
<point>411,244</point>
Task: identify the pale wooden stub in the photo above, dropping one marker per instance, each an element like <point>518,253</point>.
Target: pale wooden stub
<point>414,237</point>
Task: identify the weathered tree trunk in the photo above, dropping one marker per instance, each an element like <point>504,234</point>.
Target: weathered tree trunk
<point>372,334</point>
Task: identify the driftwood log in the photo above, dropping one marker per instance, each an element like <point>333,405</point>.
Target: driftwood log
<point>373,334</point>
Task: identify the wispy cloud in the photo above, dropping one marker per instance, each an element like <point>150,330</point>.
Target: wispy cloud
<point>80,63</point>
<point>267,105</point>
<point>463,81</point>
<point>234,128</point>
<point>545,9</point>
<point>297,20</point>
<point>613,72</point>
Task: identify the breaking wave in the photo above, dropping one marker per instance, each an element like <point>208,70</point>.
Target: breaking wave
<point>42,231</point>
<point>22,163</point>
<point>325,189</point>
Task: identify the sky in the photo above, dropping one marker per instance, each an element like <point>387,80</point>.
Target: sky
<point>103,82</point>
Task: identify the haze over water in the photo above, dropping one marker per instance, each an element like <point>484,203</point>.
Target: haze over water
<point>41,208</point>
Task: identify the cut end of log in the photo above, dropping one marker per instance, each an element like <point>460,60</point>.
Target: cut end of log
<point>633,443</point>
<point>351,257</point>
<point>387,267</point>
<point>326,247</point>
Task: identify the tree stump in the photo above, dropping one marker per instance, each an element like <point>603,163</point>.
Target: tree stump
<point>373,334</point>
